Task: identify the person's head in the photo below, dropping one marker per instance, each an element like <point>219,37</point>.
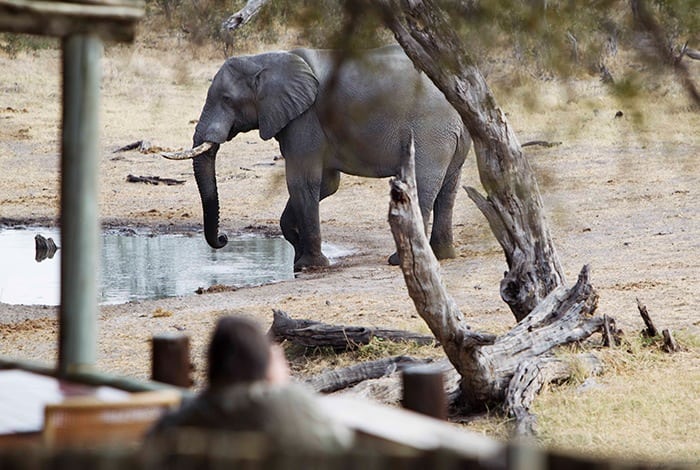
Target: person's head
<point>240,352</point>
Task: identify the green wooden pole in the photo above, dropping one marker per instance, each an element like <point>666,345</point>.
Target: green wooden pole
<point>80,226</point>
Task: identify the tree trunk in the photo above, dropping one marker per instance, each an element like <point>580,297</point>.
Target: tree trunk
<point>513,205</point>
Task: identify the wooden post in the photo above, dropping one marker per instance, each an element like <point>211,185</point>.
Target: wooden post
<point>170,360</point>
<point>80,229</point>
<point>523,454</point>
<point>424,391</point>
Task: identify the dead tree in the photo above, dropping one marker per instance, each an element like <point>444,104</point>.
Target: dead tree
<point>340,379</point>
<point>505,370</point>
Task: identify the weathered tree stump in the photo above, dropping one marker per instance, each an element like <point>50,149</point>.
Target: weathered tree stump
<point>505,370</point>
<point>670,344</point>
<point>651,330</point>
<point>43,248</point>
<point>612,336</point>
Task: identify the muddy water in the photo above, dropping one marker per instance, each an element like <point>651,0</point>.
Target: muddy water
<point>136,266</point>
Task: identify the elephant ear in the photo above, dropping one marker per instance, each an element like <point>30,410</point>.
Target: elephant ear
<point>286,87</point>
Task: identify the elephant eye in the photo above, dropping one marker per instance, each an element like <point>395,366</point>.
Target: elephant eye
<point>228,100</point>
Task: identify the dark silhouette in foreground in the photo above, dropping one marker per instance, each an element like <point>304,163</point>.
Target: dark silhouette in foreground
<point>250,391</point>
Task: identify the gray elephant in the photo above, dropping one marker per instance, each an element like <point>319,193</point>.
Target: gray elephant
<point>329,123</point>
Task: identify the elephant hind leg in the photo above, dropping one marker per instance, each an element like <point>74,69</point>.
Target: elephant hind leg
<point>441,237</point>
<point>426,196</point>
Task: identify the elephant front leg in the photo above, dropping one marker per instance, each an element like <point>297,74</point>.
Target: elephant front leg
<point>290,230</point>
<point>301,226</point>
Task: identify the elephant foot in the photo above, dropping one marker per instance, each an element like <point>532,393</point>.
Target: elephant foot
<point>310,261</point>
<point>394,259</point>
<point>444,251</point>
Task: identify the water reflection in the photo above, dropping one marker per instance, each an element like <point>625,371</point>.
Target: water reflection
<point>142,266</point>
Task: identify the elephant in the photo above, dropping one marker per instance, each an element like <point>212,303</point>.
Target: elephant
<point>330,120</point>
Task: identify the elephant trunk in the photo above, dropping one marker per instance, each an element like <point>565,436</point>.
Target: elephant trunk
<point>205,175</point>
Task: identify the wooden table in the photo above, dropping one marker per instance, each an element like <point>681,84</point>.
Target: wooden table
<point>23,396</point>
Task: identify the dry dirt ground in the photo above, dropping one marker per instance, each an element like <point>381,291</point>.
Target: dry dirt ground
<point>622,194</point>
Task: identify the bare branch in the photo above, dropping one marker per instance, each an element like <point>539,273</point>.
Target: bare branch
<point>649,24</point>
<point>244,15</point>
<point>529,379</point>
<point>651,330</point>
<point>686,51</point>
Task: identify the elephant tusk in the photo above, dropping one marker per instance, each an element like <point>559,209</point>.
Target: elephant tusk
<point>187,154</point>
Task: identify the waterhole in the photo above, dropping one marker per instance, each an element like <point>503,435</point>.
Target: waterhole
<point>137,266</point>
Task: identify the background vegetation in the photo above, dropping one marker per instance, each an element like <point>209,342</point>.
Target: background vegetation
<point>624,42</point>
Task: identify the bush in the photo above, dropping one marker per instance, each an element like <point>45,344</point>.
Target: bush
<point>12,44</point>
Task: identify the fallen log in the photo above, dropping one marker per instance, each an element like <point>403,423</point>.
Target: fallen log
<point>310,333</point>
<point>155,180</point>
<point>143,146</point>
<point>388,389</point>
<point>340,379</point>
<point>542,143</point>
<point>127,147</point>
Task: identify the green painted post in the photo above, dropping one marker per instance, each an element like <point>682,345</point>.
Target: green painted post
<point>80,226</point>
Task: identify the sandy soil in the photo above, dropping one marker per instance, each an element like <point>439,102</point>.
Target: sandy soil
<point>622,195</point>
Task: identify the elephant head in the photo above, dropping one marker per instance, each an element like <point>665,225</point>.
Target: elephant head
<point>263,92</point>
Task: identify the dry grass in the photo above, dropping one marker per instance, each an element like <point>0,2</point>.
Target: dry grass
<point>307,362</point>
<point>645,406</point>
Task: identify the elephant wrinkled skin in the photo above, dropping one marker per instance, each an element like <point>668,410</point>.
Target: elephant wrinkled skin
<point>351,121</point>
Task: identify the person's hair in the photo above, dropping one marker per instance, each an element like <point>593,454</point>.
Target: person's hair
<point>238,352</point>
